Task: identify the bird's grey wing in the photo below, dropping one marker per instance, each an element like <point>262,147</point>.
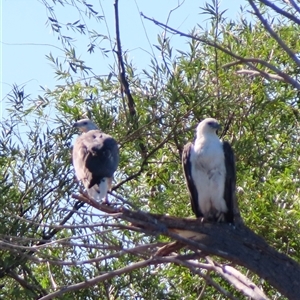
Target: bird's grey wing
<point>187,168</point>
<point>79,154</point>
<point>103,155</point>
<point>230,182</point>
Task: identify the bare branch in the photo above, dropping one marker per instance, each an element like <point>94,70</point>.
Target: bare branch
<point>238,280</point>
<point>140,250</point>
<point>100,278</point>
<point>281,11</point>
<point>123,80</point>
<point>53,283</point>
<point>217,239</point>
<point>247,61</point>
<point>195,268</point>
<point>35,290</point>
<point>258,73</point>
<point>273,34</point>
<point>293,3</point>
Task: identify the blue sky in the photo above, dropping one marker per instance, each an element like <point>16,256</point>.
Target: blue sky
<point>26,39</point>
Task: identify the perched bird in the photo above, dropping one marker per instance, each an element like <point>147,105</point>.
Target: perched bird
<point>209,169</point>
<point>95,159</point>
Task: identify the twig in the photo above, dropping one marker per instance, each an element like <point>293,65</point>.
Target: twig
<point>25,284</point>
<point>294,5</point>
<point>90,282</point>
<point>273,34</point>
<point>258,73</point>
<point>281,11</point>
<point>247,61</point>
<point>195,268</point>
<point>53,283</point>
<point>123,80</point>
<point>54,231</point>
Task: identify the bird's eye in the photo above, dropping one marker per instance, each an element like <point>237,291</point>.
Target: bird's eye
<point>84,123</point>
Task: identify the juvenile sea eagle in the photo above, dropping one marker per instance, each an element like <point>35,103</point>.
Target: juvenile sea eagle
<point>95,159</point>
<point>209,169</point>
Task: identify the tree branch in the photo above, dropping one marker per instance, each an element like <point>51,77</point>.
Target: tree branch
<point>123,80</point>
<point>281,11</point>
<point>273,34</point>
<point>196,269</point>
<point>100,278</point>
<point>293,3</point>
<point>36,291</point>
<point>238,244</point>
<point>258,73</point>
<point>233,276</point>
<point>247,61</point>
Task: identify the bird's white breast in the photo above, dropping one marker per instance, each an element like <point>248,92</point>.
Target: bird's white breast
<point>208,173</point>
<point>208,153</point>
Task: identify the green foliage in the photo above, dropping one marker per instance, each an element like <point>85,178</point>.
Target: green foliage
<point>260,118</point>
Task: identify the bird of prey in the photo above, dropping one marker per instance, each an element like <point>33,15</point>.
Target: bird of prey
<point>95,159</point>
<point>209,169</point>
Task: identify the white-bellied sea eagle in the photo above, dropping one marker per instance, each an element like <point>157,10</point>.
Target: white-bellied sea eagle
<point>209,169</point>
<point>95,159</point>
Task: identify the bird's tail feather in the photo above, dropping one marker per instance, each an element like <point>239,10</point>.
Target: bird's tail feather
<point>99,192</point>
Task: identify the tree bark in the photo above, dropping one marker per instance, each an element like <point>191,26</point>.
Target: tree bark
<point>238,244</point>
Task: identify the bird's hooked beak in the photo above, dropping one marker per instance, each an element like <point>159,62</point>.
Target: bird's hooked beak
<point>77,126</point>
<point>219,127</point>
<point>215,125</point>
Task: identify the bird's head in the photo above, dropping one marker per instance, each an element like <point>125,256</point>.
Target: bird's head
<point>85,125</point>
<point>208,126</point>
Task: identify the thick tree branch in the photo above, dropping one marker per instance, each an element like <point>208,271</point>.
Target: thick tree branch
<point>238,244</point>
